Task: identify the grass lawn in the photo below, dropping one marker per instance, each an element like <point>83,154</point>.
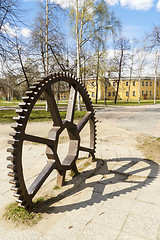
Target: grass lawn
<point>64,103</point>
<point>6,116</point>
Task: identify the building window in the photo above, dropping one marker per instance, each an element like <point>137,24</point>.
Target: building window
<point>127,93</point>
<point>157,83</point>
<point>109,84</point>
<point>142,83</point>
<point>150,93</point>
<point>114,84</point>
<point>157,93</point>
<point>109,94</point>
<point>142,92</point>
<point>147,93</point>
<point>150,83</point>
<point>93,84</point>
<point>113,94</point>
<point>134,83</point>
<point>93,95</point>
<point>126,83</point>
<point>134,93</point>
<point>146,83</point>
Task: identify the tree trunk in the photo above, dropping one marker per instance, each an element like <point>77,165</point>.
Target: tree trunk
<point>46,40</point>
<point>115,100</point>
<point>97,77</point>
<point>139,89</point>
<point>155,77</point>
<point>21,62</point>
<point>78,57</point>
<point>105,92</point>
<point>119,77</point>
<point>46,43</point>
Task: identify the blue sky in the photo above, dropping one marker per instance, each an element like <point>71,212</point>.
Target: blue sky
<point>137,16</point>
<point>137,22</point>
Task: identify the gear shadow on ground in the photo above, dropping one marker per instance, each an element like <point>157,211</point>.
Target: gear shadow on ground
<point>109,178</point>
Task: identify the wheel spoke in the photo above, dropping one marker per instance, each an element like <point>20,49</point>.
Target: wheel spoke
<point>53,107</point>
<point>32,138</point>
<point>71,104</point>
<point>86,149</point>
<point>33,189</point>
<point>83,121</point>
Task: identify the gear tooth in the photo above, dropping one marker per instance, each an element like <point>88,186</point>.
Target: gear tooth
<point>26,99</point>
<point>12,181</point>
<point>41,80</point>
<point>23,105</point>
<point>21,112</point>
<point>30,93</point>
<point>37,84</point>
<point>12,150</point>
<point>11,166</point>
<point>19,201</point>
<point>60,74</point>
<point>18,119</point>
<point>54,75</point>
<point>12,174</point>
<point>15,189</point>
<point>16,195</point>
<point>10,158</point>
<point>16,126</point>
<point>14,134</point>
<point>64,74</point>
<point>32,88</point>
<point>13,142</point>
<point>70,75</point>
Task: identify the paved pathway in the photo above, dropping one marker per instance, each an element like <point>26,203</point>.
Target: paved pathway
<point>118,199</point>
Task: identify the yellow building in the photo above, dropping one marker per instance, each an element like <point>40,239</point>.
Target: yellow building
<point>128,89</point>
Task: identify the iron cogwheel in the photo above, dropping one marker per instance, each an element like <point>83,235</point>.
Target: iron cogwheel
<point>23,194</point>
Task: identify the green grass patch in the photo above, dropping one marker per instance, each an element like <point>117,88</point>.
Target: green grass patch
<point>20,215</point>
<point>6,116</point>
<point>8,103</point>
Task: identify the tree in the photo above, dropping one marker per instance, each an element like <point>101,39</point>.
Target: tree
<point>132,58</point>
<point>10,18</point>
<point>122,46</point>
<point>106,23</point>
<point>154,45</point>
<point>88,18</point>
<point>141,59</point>
<point>47,40</point>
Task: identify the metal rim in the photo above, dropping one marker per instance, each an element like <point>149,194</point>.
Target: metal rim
<point>23,195</point>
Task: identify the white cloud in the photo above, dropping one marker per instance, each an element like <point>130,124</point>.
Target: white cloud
<point>134,4</point>
<point>112,2</point>
<point>137,4</point>
<point>14,31</point>
<point>6,28</point>
<point>158,6</point>
<point>25,32</point>
<point>62,3</point>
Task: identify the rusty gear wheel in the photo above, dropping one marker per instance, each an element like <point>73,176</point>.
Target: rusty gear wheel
<point>24,195</point>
